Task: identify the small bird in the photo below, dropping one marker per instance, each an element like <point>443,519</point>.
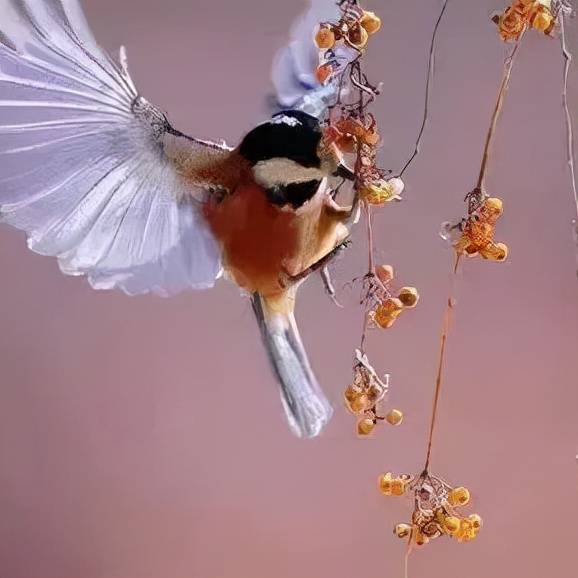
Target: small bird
<point>98,178</point>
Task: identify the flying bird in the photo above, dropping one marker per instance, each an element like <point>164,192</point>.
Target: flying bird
<point>98,178</point>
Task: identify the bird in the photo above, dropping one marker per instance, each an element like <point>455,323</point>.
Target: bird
<point>98,177</point>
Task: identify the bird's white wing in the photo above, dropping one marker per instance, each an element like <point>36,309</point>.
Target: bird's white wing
<point>86,164</point>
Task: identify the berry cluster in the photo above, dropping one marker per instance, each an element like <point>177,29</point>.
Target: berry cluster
<point>352,30</point>
<point>351,135</point>
<point>364,395</point>
<point>436,511</point>
<point>477,232</point>
<point>524,14</point>
<point>387,308</point>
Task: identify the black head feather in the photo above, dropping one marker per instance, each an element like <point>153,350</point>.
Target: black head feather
<point>292,134</point>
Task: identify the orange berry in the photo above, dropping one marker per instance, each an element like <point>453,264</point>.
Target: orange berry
<point>495,252</point>
<point>323,73</point>
<point>347,143</point>
<point>360,403</point>
<point>365,426</point>
<point>476,521</point>
<point>384,273</point>
<point>325,38</point>
<point>451,525</point>
<point>543,20</point>
<point>385,483</point>
<point>459,496</point>
<point>371,22</point>
<point>394,417</point>
<point>398,487</point>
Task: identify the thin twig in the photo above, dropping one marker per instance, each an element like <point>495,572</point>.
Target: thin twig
<point>441,360</point>
<point>430,70</point>
<point>509,62</point>
<point>569,129</point>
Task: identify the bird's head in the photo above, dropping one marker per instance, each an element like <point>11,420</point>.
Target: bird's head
<point>289,157</point>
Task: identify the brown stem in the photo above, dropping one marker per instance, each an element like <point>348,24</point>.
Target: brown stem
<point>441,360</point>
<point>569,130</point>
<point>509,62</point>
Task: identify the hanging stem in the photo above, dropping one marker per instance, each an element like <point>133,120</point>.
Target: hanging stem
<point>371,258</point>
<point>569,130</point>
<point>441,362</point>
<point>430,70</point>
<point>509,62</point>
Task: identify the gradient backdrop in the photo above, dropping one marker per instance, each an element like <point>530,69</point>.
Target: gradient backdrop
<point>143,438</point>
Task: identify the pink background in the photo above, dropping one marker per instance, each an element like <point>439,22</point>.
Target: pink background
<point>143,438</point>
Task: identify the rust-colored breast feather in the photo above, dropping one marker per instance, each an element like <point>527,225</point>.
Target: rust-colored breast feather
<point>257,237</point>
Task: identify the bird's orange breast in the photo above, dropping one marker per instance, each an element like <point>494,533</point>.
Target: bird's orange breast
<point>258,239</point>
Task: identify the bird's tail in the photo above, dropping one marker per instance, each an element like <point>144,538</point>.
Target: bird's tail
<point>305,404</point>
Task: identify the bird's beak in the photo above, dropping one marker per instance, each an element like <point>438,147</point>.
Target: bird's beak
<point>344,172</point>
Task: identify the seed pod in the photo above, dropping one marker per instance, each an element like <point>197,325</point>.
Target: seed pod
<point>358,36</point>
<point>409,296</point>
<point>402,530</point>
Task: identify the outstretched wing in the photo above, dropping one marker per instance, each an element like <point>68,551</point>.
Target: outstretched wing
<point>88,168</point>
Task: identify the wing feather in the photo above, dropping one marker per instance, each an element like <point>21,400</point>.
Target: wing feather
<point>88,168</point>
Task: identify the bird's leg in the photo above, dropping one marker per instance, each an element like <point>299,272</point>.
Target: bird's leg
<point>347,213</point>
<point>289,279</point>
<point>328,283</point>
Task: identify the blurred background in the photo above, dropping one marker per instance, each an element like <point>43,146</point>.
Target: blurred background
<point>144,438</point>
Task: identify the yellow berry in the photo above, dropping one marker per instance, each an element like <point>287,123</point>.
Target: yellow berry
<point>382,191</point>
<point>543,20</point>
<point>459,496</point>
<point>475,521</point>
<point>398,487</point>
<point>409,296</point>
<point>325,38</point>
<point>385,483</point>
<point>360,403</point>
<point>351,392</point>
<point>365,426</point>
<point>394,417</point>
<point>371,22</point>
<point>393,306</point>
<point>494,204</point>
<point>402,530</point>
<point>384,273</point>
<point>495,252</point>
<point>451,525</point>
<point>387,312</point>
